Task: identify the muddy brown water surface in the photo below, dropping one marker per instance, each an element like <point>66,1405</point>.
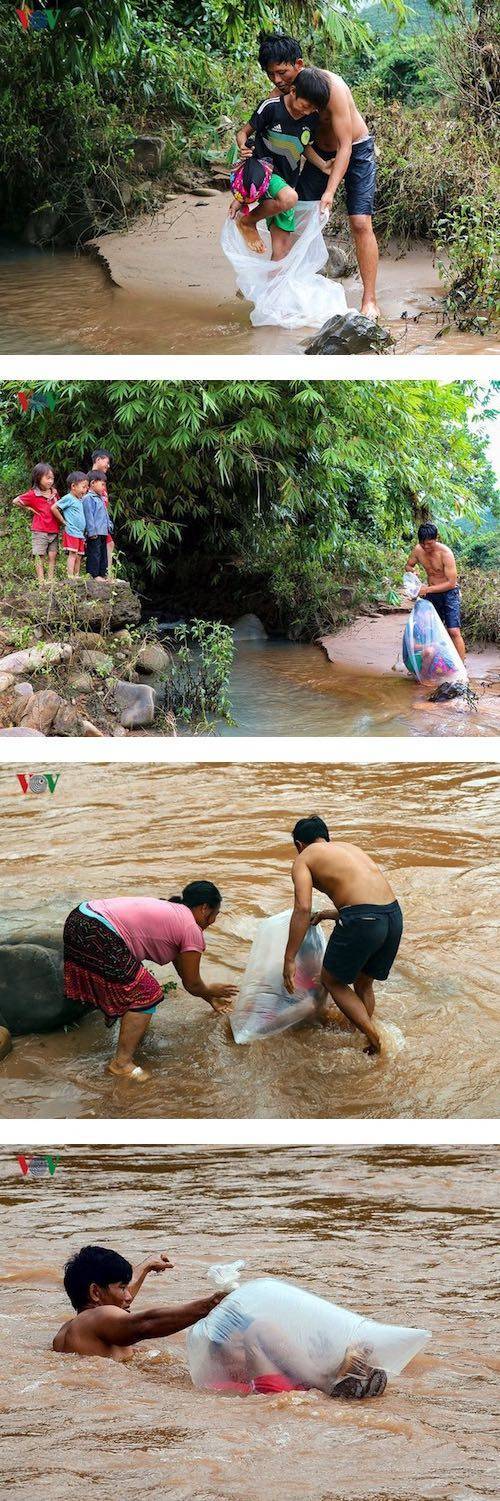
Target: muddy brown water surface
<point>116,830</point>
<point>287,688</point>
<point>175,294</point>
<point>404,1235</point>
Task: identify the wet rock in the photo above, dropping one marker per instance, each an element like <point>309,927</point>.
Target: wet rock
<point>148,152</point>
<point>349,333</point>
<point>6,681</point>
<point>339,262</point>
<point>50,653</point>
<point>5,1041</point>
<point>98,661</point>
<point>22,729</point>
<point>249,628</point>
<point>153,658</point>
<point>136,703</point>
<point>67,721</point>
<point>31,989</point>
<point>41,710</point>
<point>42,224</point>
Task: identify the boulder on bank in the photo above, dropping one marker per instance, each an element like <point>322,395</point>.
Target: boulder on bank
<point>32,989</point>
<point>48,654</point>
<point>349,333</point>
<point>41,710</point>
<point>152,658</point>
<point>42,224</point>
<point>98,661</point>
<point>148,152</point>
<point>136,703</point>
<point>100,604</point>
<point>22,730</point>
<point>249,628</point>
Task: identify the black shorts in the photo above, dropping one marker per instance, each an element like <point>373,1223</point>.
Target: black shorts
<point>360,179</point>
<point>447,604</point>
<point>365,939</point>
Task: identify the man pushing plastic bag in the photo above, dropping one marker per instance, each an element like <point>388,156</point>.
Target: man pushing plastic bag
<point>430,655</point>
<point>270,1336</point>
<point>264,1006</point>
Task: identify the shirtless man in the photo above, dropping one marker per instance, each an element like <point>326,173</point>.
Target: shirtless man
<point>442,580</point>
<point>343,148</point>
<point>368,919</point>
<point>101,1285</point>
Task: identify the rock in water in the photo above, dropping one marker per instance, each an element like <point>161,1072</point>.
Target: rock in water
<point>32,989</point>
<point>136,703</point>
<point>349,333</point>
<point>249,628</point>
<point>153,658</point>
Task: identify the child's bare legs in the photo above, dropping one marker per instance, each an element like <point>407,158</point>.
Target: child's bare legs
<point>110,547</point>
<point>78,564</point>
<point>353,1007</point>
<point>39,569</point>
<point>281,240</point>
<point>51,562</point>
<point>267,209</point>
<point>133,1026</point>
<point>71,563</point>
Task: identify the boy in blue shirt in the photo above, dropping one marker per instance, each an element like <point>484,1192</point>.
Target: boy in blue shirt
<point>69,511</point>
<point>98,523</point>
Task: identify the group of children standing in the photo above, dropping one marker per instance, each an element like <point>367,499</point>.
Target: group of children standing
<point>82,513</point>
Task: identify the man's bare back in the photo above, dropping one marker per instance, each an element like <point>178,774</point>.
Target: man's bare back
<point>89,1334</point>
<point>345,873</point>
<point>340,101</point>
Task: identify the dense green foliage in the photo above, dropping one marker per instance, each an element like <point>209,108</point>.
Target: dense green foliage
<point>266,495</point>
<point>72,99</point>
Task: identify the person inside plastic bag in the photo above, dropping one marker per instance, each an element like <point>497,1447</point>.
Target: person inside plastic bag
<point>439,564</point>
<point>281,128</point>
<point>367,916</point>
<point>257,1356</point>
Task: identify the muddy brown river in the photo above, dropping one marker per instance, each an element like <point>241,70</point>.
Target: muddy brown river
<point>178,297</point>
<point>406,1235</point>
<point>114,830</point>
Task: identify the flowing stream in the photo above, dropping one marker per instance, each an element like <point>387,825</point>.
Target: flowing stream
<point>404,1235</point>
<point>147,830</point>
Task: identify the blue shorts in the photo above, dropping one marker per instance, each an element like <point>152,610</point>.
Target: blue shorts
<point>360,179</point>
<point>447,604</point>
<point>365,940</point>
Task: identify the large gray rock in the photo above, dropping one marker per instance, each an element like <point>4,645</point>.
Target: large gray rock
<point>249,628</point>
<point>136,704</point>
<point>32,989</point>
<point>67,721</point>
<point>148,152</point>
<point>349,333</point>
<point>6,680</point>
<point>153,658</point>
<point>42,224</point>
<point>33,658</point>
<point>100,604</point>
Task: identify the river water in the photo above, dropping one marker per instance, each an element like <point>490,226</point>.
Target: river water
<point>113,830</point>
<point>287,688</point>
<point>52,303</point>
<point>404,1235</point>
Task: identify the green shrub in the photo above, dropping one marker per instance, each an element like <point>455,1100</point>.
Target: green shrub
<point>468,236</point>
<point>481,605</point>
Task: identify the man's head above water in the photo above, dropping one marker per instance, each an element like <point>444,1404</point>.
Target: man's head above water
<point>281,58</point>
<point>96,1276</point>
<point>308,830</point>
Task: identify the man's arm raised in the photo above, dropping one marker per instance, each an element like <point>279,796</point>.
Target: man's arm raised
<point>157,1262</point>
<point>115,1327</point>
<point>300,920</point>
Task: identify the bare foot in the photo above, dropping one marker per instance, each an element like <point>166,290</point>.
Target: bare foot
<point>127,1070</point>
<point>372,1049</point>
<point>370,310</point>
<point>250,235</point>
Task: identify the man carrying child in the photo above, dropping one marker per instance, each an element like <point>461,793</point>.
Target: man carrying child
<point>282,128</point>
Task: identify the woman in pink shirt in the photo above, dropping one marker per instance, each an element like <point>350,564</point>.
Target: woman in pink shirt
<point>106,943</point>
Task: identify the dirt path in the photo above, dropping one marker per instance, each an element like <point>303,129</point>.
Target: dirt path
<point>176,258</point>
<point>371,647</point>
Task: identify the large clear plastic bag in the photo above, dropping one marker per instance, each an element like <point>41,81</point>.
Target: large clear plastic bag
<point>428,650</point>
<point>290,292</point>
<point>302,1336</point>
<point>264,1006</point>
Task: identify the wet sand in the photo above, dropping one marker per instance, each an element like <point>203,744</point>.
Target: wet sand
<point>174,293</point>
<point>403,1235</point>
<point>117,830</point>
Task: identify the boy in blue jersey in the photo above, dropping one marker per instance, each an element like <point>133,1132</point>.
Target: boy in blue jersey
<point>282,128</point>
